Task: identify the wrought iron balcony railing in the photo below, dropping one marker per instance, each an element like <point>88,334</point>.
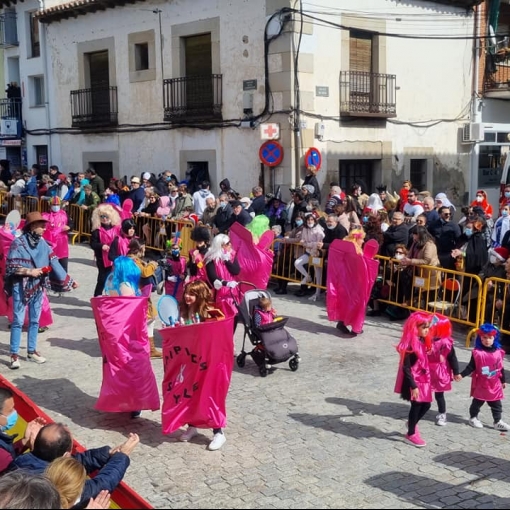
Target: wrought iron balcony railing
<point>94,107</point>
<point>10,118</point>
<point>8,30</point>
<point>193,98</point>
<point>364,94</point>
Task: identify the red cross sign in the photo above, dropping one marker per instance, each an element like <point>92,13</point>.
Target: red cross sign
<point>270,131</point>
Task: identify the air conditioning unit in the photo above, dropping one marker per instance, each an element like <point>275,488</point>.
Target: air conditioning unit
<point>9,127</point>
<point>473,132</point>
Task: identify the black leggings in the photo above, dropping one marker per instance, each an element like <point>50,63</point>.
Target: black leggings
<point>441,402</point>
<point>102,275</point>
<point>496,408</point>
<point>416,413</point>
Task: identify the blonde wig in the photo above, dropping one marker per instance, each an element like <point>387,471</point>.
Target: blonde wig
<point>109,211</point>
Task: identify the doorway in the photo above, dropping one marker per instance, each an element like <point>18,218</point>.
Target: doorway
<point>104,169</point>
<point>99,77</point>
<point>197,172</point>
<point>198,69</point>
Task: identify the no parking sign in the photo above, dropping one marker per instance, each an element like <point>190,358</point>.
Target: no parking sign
<point>271,153</point>
<point>313,157</point>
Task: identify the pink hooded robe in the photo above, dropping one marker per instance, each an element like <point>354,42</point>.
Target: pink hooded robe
<point>55,233</point>
<point>129,383</point>
<point>441,374</point>
<point>486,379</point>
<point>421,375</point>
<point>350,280</point>
<point>198,362</point>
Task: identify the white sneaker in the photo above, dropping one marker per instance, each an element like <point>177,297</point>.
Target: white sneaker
<point>36,357</point>
<point>14,362</point>
<point>306,279</point>
<point>501,425</point>
<point>189,434</point>
<point>218,441</point>
<point>476,423</point>
<point>441,420</point>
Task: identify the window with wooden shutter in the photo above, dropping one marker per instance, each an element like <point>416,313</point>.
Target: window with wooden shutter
<point>360,61</point>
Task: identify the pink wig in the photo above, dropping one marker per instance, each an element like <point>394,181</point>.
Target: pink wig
<point>410,341</point>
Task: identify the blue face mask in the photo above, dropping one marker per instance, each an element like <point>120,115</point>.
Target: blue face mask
<point>299,223</point>
<point>223,204</point>
<point>468,232</point>
<point>175,253</point>
<point>365,219</point>
<point>504,212</point>
<point>507,194</point>
<point>11,421</point>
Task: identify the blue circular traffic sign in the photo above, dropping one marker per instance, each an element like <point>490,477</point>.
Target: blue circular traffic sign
<point>313,157</point>
<point>271,153</point>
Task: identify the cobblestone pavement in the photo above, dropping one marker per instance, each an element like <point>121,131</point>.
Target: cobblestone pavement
<point>327,436</point>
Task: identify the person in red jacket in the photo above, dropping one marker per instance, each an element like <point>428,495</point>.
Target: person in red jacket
<point>481,201</point>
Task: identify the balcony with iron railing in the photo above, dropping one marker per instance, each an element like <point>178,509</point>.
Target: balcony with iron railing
<point>497,75</point>
<point>8,30</point>
<point>364,94</point>
<point>193,99</point>
<point>94,107</point>
<point>10,118</point>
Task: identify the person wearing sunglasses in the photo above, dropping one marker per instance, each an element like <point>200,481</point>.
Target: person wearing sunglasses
<point>446,234</point>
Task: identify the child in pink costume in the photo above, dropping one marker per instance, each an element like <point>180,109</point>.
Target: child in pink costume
<point>487,377</point>
<point>413,376</point>
<point>443,363</point>
<point>175,281</point>
<point>263,313</point>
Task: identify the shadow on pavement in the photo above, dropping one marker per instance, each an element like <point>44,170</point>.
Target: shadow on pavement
<point>88,346</point>
<point>311,327</point>
<point>67,299</point>
<point>334,423</point>
<point>478,464</point>
<point>73,312</point>
<point>86,262</point>
<point>430,493</point>
<point>396,410</point>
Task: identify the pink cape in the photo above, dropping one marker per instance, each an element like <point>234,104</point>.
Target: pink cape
<point>256,260</point>
<point>129,383</point>
<point>198,367</point>
<point>46,318</point>
<point>350,280</point>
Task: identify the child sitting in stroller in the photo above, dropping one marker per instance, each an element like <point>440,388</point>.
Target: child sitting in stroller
<point>263,312</point>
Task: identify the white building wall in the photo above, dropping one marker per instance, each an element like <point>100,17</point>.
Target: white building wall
<point>434,80</point>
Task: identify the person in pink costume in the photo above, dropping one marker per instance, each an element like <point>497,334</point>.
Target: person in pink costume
<point>105,228</point>
<point>263,313</point>
<point>222,267</point>
<point>443,363</point>
<point>487,376</point>
<point>120,245</point>
<point>56,231</point>
<point>413,376</point>
<point>196,264</point>
<point>174,282</point>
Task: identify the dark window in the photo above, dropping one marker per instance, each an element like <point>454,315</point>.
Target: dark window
<point>104,169</point>
<point>141,56</point>
<point>356,170</point>
<point>34,36</point>
<point>41,155</point>
<point>418,175</point>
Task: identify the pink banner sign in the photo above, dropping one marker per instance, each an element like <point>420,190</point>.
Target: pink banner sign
<point>129,383</point>
<point>198,362</point>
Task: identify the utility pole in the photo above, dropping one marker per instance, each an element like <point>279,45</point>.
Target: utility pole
<point>158,12</point>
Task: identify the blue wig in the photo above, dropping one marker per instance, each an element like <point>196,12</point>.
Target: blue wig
<point>126,271</point>
<point>487,329</point>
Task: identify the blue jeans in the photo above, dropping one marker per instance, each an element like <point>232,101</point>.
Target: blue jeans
<point>19,309</point>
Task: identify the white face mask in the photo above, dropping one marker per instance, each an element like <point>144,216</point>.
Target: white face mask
<point>479,199</point>
<point>399,256</point>
<point>493,259</point>
<point>55,208</point>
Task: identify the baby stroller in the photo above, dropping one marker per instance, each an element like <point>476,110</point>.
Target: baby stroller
<point>272,343</point>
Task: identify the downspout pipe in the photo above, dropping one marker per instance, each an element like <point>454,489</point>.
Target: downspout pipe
<point>47,77</point>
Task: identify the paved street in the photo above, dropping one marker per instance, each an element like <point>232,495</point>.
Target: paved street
<point>327,436</point>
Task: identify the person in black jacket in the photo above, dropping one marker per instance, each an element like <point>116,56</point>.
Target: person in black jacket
<point>299,206</point>
<point>223,218</point>
<point>258,204</point>
<point>310,178</point>
<point>397,233</point>
<point>239,214</point>
<point>447,234</point>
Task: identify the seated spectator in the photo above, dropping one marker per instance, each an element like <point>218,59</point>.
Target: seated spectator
<point>9,448</point>
<point>69,476</point>
<point>55,440</point>
<point>25,490</point>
